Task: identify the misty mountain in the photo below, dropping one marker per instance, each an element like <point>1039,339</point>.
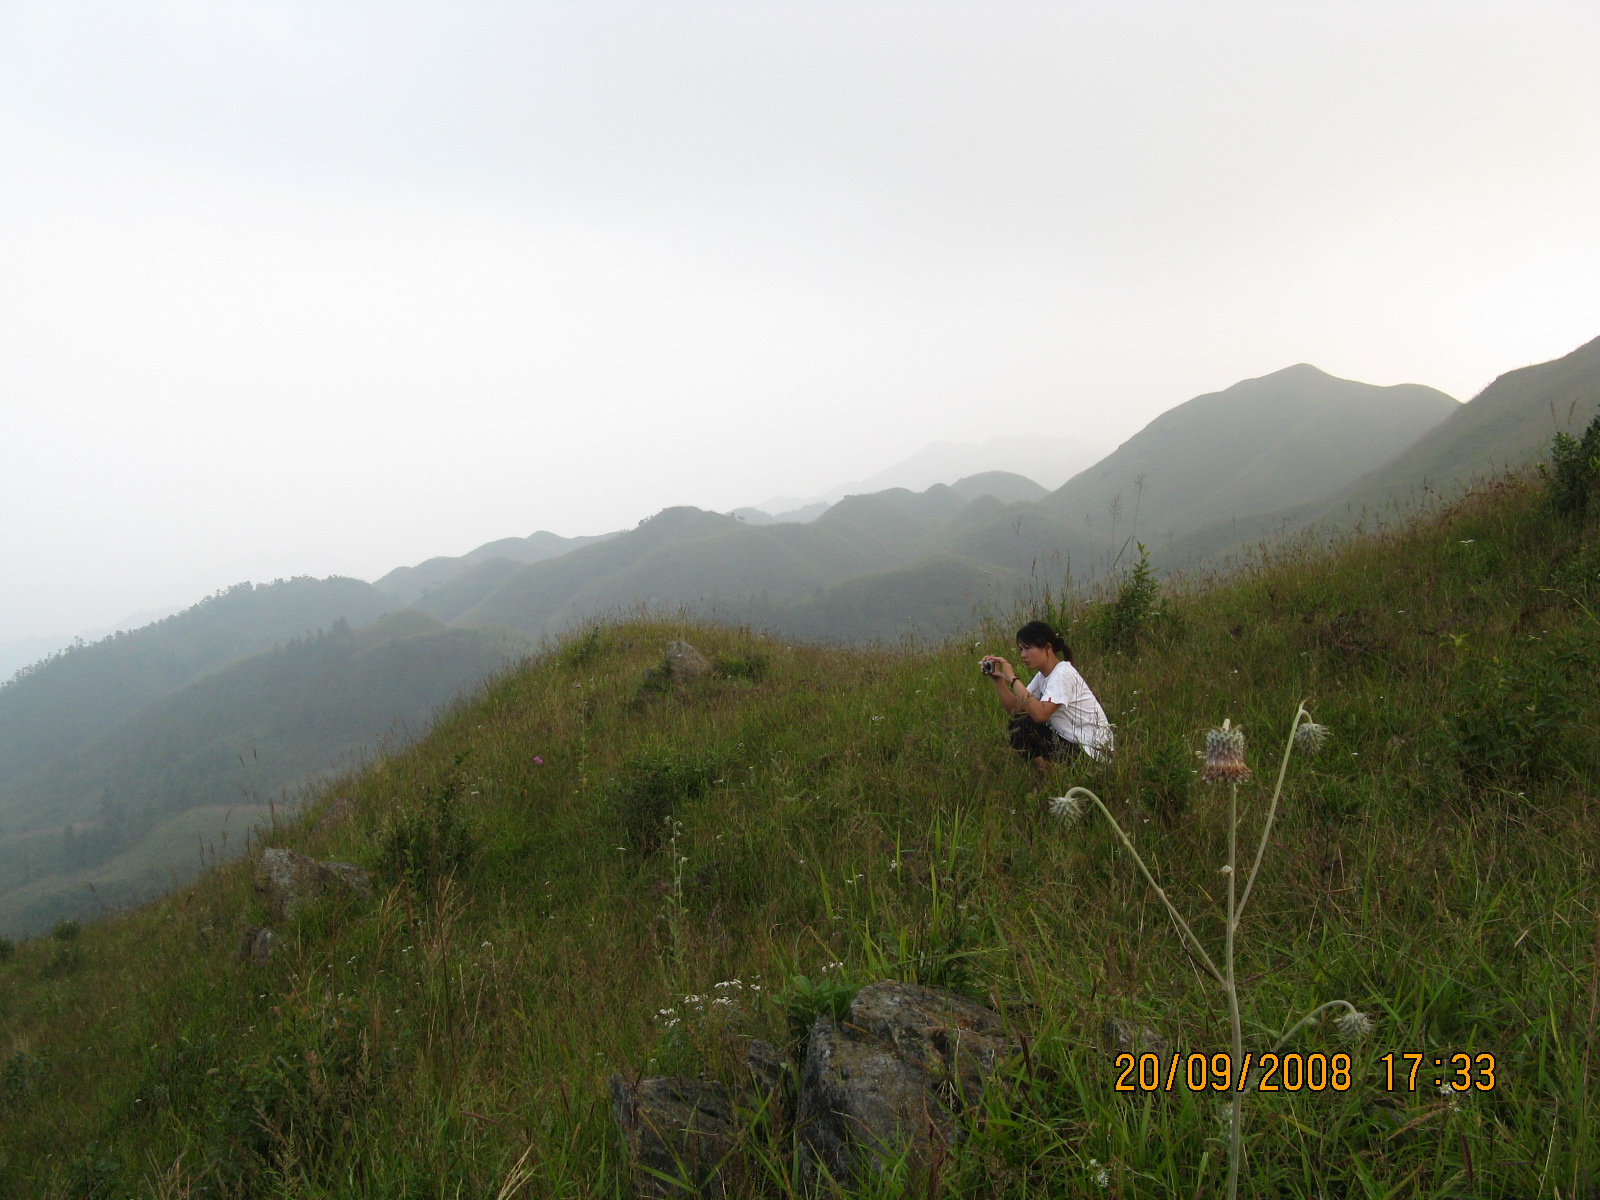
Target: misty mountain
<point>240,735</point>
<point>1262,445</point>
<point>54,706</point>
<point>1048,458</point>
<point>775,574</point>
<point>410,584</point>
<point>1507,425</point>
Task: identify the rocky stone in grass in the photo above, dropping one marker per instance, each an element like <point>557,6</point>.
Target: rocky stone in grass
<point>677,1134</point>
<point>892,1080</point>
<point>768,1068</point>
<point>683,661</point>
<point>255,945</point>
<point>289,880</point>
<point>1129,1037</point>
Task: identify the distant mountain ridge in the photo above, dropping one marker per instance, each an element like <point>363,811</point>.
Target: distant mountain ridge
<point>1267,454</point>
<point>1263,444</point>
<point>1506,426</point>
<point>410,584</point>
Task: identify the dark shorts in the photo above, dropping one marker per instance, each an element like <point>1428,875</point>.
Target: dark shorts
<point>1033,740</point>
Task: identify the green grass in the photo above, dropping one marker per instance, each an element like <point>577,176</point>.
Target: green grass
<point>841,816</point>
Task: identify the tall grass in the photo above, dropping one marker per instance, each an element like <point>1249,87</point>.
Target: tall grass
<point>842,815</point>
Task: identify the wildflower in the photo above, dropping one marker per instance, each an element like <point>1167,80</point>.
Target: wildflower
<point>1225,755</point>
<point>1102,1176</point>
<point>1067,809</point>
<point>1354,1024</point>
<point>1310,737</point>
<point>537,761</point>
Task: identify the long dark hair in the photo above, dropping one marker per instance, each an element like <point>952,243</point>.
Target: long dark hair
<point>1038,634</point>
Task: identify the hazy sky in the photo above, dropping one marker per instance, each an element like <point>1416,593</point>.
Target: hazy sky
<point>326,288</point>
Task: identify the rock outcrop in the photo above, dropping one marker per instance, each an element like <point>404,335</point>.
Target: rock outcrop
<point>678,1133</point>
<point>288,880</point>
<point>255,945</point>
<point>890,1082</point>
<point>892,1079</point>
<point>685,662</point>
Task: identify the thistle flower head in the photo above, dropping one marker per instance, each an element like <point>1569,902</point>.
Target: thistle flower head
<point>1354,1024</point>
<point>1067,809</point>
<point>1310,737</point>
<point>1225,755</point>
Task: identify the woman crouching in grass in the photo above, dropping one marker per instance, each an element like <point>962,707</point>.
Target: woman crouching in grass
<point>1056,717</point>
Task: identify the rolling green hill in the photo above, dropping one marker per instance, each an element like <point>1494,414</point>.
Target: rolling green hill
<point>840,816</point>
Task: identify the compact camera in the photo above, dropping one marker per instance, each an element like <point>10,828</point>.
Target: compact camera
<point>988,666</point>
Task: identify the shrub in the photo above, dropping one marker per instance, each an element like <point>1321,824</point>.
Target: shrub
<point>651,790</point>
<point>8,950</point>
<point>1125,622</point>
<point>423,845</point>
<point>1573,476</point>
<point>301,1099</point>
<point>805,999</point>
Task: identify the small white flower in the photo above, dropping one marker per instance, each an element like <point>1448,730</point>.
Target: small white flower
<point>1067,809</point>
<point>1227,869</point>
<point>1102,1176</point>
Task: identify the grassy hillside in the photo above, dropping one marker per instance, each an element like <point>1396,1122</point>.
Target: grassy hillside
<point>842,816</point>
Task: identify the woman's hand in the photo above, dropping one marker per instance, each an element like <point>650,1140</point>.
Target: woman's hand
<point>1004,672</point>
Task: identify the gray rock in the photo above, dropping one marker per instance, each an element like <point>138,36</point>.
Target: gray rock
<point>288,880</point>
<point>771,1093</point>
<point>891,1080</point>
<point>677,1134</point>
<point>1133,1038</point>
<point>255,945</point>
<point>685,662</point>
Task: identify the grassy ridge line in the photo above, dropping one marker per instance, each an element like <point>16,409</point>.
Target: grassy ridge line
<point>860,810</point>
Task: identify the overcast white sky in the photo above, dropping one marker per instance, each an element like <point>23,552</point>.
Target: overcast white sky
<point>330,287</point>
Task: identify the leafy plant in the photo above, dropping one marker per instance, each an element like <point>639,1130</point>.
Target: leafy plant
<point>652,788</point>
<point>1125,622</point>
<point>804,999</point>
<point>421,845</point>
<point>1573,475</point>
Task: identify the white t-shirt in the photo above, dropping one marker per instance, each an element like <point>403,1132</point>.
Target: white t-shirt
<point>1079,718</point>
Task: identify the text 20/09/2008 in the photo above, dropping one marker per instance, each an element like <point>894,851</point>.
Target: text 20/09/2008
<point>1296,1072</point>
